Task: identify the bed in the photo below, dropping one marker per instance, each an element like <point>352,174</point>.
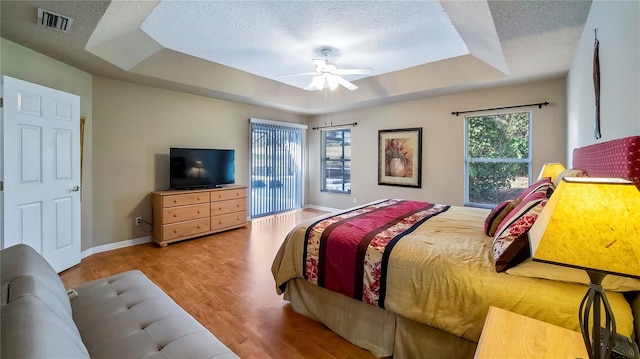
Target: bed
<point>421,285</point>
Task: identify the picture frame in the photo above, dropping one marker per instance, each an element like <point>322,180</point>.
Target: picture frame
<point>400,157</point>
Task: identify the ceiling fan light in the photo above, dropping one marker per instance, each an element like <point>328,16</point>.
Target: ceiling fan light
<point>318,82</point>
<point>332,82</point>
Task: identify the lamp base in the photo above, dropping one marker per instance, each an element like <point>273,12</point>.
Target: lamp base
<point>598,339</point>
<point>624,348</point>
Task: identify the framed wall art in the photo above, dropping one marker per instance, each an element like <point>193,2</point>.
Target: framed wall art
<point>400,157</point>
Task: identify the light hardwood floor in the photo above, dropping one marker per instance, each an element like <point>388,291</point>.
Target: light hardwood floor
<point>225,282</point>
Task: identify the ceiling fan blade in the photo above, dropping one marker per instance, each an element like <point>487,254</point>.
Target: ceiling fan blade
<point>299,74</point>
<point>353,71</point>
<point>345,83</point>
<point>310,87</point>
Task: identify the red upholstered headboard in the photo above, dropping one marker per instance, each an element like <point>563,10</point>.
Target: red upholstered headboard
<point>615,158</point>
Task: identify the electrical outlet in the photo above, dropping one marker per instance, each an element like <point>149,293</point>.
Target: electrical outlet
<point>355,200</point>
<point>138,221</point>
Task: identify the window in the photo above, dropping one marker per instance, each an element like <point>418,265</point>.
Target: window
<point>336,161</point>
<point>498,157</point>
<point>276,167</point>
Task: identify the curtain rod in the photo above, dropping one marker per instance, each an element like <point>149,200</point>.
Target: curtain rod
<point>502,108</point>
<point>331,126</point>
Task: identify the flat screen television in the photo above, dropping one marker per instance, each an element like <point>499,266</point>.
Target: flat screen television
<point>197,168</point>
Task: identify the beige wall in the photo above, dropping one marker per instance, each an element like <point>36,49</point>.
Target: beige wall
<point>618,24</point>
<point>131,127</point>
<point>25,64</point>
<point>135,125</point>
<point>442,142</point>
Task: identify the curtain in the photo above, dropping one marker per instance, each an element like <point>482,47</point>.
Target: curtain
<point>276,167</point>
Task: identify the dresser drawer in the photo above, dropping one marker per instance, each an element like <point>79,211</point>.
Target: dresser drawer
<point>180,215</point>
<point>185,199</point>
<point>230,206</point>
<point>223,195</point>
<point>183,229</point>
<point>228,220</point>
<point>185,213</point>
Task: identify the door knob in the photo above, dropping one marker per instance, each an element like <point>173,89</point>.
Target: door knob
<point>75,189</point>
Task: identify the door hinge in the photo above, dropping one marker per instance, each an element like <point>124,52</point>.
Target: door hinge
<point>1,186</point>
<point>1,102</point>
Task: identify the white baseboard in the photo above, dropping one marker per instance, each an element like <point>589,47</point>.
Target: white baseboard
<point>141,240</point>
<point>116,245</point>
<point>321,208</point>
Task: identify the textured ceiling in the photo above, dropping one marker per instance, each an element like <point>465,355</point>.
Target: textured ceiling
<point>275,38</point>
<point>234,50</point>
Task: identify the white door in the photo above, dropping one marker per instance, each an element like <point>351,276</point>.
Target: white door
<point>41,167</point>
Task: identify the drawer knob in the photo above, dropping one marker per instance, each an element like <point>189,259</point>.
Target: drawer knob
<point>175,201</point>
<point>199,226</point>
<point>175,215</point>
<point>219,222</point>
<point>175,231</point>
<point>219,208</point>
<point>198,212</point>
<point>237,205</point>
<point>198,198</point>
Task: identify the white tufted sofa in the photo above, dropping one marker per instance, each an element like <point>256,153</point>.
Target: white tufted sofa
<point>122,316</point>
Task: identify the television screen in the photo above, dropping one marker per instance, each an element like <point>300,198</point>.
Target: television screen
<point>193,168</point>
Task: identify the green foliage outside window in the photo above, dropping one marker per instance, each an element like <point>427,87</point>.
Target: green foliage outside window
<point>498,157</point>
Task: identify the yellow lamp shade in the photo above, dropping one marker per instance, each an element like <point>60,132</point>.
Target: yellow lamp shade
<point>551,170</point>
<point>592,224</point>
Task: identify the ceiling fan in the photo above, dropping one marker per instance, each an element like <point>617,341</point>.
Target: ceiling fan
<point>328,74</point>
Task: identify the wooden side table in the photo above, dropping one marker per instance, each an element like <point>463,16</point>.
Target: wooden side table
<point>510,335</point>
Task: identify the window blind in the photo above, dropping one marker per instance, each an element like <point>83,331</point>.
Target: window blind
<point>276,167</point>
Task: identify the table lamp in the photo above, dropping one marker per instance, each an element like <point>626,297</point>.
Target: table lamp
<point>551,170</point>
<point>591,224</point>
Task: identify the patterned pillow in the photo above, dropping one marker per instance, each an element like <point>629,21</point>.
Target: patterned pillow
<point>542,185</point>
<point>510,242</point>
<point>497,215</point>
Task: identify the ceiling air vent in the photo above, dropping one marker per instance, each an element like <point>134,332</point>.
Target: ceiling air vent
<point>54,21</point>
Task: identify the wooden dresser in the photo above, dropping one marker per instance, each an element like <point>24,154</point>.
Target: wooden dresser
<point>179,215</point>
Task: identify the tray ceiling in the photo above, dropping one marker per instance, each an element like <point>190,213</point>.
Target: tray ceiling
<point>235,50</point>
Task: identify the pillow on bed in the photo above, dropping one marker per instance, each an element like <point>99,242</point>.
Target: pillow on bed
<point>510,243</point>
<point>533,269</point>
<point>568,173</point>
<point>498,214</point>
<point>542,185</point>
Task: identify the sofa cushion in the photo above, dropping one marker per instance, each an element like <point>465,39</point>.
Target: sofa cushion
<point>122,316</point>
<point>22,260</point>
<point>31,286</point>
<point>36,313</point>
<point>138,320</point>
<point>30,329</point>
